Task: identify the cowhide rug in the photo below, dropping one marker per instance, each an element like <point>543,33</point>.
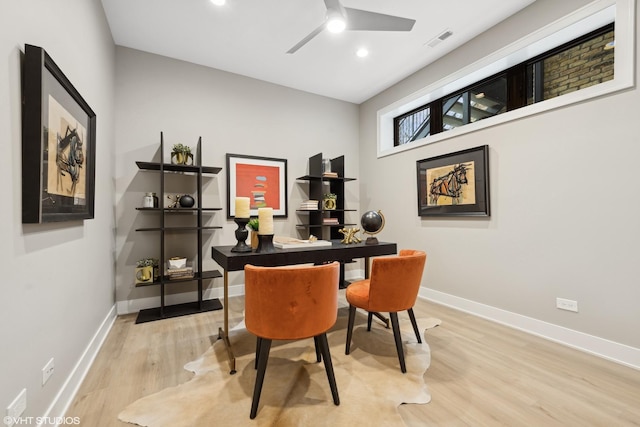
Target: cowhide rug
<point>296,391</point>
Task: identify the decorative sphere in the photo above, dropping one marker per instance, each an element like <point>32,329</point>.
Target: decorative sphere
<point>186,201</point>
<point>371,222</point>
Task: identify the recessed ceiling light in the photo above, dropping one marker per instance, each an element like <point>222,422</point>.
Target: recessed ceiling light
<point>219,2</point>
<point>362,52</point>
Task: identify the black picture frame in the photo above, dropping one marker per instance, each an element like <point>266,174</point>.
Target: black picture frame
<point>58,171</point>
<point>241,171</point>
<point>454,184</point>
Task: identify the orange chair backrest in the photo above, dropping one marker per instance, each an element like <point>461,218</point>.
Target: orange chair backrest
<point>293,302</point>
<point>395,281</point>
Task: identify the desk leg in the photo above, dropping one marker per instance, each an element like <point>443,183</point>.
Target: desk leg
<point>223,333</point>
<point>366,276</point>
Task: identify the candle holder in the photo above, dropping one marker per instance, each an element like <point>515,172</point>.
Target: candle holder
<point>241,235</point>
<point>265,244</point>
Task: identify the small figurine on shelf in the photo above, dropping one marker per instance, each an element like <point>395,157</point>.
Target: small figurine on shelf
<point>349,235</point>
<point>175,200</point>
<point>181,155</point>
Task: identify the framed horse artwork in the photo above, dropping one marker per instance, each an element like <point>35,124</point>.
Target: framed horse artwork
<point>454,184</point>
<point>58,144</point>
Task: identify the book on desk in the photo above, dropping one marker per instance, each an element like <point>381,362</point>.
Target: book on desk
<point>281,242</point>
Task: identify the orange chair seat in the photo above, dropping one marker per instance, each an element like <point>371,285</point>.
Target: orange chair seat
<point>357,294</point>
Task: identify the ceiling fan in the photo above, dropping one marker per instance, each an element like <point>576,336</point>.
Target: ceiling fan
<point>339,18</point>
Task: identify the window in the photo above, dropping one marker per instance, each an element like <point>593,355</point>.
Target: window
<point>481,101</point>
<point>412,125</point>
<point>583,62</point>
<point>517,58</point>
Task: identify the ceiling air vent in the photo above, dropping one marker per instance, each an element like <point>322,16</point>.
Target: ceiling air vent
<point>443,36</point>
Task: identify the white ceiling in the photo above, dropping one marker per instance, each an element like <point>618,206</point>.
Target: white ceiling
<point>251,37</point>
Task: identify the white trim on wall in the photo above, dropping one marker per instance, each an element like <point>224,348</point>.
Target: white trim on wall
<point>134,306</point>
<point>69,389</point>
<point>615,352</point>
<point>582,21</point>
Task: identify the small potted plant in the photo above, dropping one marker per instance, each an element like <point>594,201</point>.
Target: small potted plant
<point>253,225</point>
<point>181,155</point>
<point>146,270</point>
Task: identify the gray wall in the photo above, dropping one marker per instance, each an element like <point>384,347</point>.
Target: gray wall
<point>232,114</point>
<point>564,219</point>
<point>58,280</point>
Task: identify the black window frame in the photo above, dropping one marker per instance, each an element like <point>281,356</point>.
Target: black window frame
<point>517,84</point>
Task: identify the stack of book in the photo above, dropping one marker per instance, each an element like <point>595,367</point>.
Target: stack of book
<point>330,221</point>
<point>180,273</point>
<point>330,174</point>
<point>309,205</point>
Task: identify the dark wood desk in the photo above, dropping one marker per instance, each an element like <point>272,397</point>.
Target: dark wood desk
<point>235,261</point>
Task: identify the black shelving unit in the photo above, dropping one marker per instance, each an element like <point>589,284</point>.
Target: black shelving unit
<point>166,170</point>
<point>320,185</point>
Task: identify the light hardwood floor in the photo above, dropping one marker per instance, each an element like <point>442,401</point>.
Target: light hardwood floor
<point>481,374</point>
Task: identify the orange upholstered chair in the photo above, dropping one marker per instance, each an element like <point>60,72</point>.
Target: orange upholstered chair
<point>291,303</point>
<point>393,286</point>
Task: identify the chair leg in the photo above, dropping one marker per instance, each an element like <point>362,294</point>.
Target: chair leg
<point>318,353</point>
<point>369,319</point>
<point>396,334</point>
<point>415,325</point>
<point>328,366</point>
<point>263,358</point>
<point>258,344</point>
<point>352,317</point>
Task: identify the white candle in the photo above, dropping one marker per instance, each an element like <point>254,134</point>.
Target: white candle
<point>242,207</point>
<point>265,219</point>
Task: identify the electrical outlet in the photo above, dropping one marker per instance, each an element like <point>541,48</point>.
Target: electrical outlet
<point>567,304</point>
<point>16,408</point>
<point>47,371</point>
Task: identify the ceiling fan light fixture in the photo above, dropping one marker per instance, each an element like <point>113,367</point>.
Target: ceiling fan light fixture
<point>336,23</point>
<point>358,20</point>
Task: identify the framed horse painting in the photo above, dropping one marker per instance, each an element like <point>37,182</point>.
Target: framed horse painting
<point>58,144</point>
<point>455,184</point>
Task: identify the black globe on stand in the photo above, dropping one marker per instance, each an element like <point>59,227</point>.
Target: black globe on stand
<point>372,222</point>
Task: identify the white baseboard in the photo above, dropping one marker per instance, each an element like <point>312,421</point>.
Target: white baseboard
<point>616,352</point>
<point>69,389</point>
<point>134,306</point>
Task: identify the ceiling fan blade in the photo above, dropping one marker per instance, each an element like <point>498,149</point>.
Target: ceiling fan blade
<point>362,20</point>
<point>306,40</point>
<point>332,4</point>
